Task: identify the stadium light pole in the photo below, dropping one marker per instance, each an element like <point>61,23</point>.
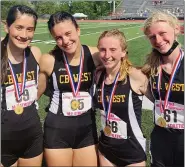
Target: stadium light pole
<point>114,4</point>
<point>110,2</point>
<point>70,6</point>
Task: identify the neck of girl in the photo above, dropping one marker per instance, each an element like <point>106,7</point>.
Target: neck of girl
<point>170,60</point>
<point>111,73</point>
<point>76,55</point>
<point>15,54</point>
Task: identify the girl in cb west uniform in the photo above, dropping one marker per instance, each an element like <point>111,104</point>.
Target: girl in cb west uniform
<point>21,131</point>
<point>120,87</point>
<point>165,66</point>
<point>70,132</point>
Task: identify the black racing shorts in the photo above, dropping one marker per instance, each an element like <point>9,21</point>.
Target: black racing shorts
<point>27,143</point>
<point>167,148</point>
<point>72,132</point>
<point>121,152</point>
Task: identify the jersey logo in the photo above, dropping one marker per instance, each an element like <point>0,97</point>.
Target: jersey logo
<point>61,69</point>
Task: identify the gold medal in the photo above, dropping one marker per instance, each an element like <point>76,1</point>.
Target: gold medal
<point>74,105</point>
<point>18,109</point>
<point>161,122</point>
<point>107,130</point>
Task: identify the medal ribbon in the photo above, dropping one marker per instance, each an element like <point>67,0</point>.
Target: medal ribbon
<point>172,76</point>
<point>75,87</point>
<point>108,109</point>
<point>18,93</point>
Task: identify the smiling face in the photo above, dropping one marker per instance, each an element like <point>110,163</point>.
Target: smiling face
<point>111,52</point>
<point>161,36</point>
<point>66,36</point>
<point>21,31</point>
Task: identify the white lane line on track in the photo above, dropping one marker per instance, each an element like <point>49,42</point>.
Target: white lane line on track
<point>118,28</point>
<point>135,38</point>
<point>53,42</point>
<point>83,28</point>
<point>102,26</point>
<point>95,32</point>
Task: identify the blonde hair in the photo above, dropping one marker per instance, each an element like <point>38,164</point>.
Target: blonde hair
<point>125,63</point>
<point>152,63</point>
<point>159,16</point>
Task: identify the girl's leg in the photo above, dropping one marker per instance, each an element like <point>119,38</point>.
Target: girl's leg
<point>86,156</point>
<point>35,161</point>
<point>58,157</point>
<point>104,161</point>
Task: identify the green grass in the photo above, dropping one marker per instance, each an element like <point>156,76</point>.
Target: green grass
<point>138,48</point>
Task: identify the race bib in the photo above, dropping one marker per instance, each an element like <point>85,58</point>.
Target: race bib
<point>74,106</point>
<point>173,116</point>
<point>118,128</point>
<point>28,97</point>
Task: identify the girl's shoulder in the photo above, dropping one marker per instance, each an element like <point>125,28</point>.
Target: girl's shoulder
<point>98,73</point>
<point>36,53</point>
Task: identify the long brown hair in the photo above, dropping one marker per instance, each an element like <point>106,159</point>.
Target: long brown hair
<point>11,17</point>
<point>4,59</point>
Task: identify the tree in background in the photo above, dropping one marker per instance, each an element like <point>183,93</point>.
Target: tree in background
<point>50,7</point>
<point>5,6</point>
<point>94,9</point>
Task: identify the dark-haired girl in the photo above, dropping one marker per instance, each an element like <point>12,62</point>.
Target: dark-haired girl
<point>21,131</point>
<point>70,130</point>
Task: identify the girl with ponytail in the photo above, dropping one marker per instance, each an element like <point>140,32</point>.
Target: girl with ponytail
<point>119,90</point>
<point>165,67</point>
<point>4,58</point>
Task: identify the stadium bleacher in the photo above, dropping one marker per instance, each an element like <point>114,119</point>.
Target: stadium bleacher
<point>140,9</point>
